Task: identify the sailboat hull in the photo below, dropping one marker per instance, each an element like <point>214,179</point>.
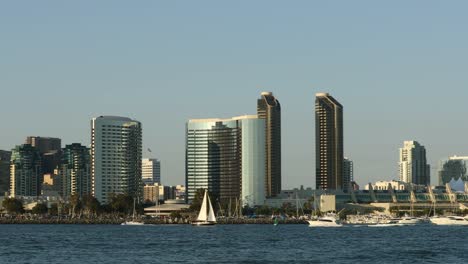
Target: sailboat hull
<point>203,223</point>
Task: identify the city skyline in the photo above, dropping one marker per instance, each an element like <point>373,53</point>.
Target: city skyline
<point>376,58</point>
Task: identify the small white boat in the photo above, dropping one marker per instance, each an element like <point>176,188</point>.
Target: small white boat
<point>408,220</point>
<point>449,220</point>
<point>327,221</point>
<point>206,216</point>
<point>133,222</point>
<point>390,223</point>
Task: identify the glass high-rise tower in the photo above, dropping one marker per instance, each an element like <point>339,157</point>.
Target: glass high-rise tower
<point>25,171</point>
<point>226,157</point>
<point>329,157</point>
<point>75,171</point>
<point>269,108</point>
<point>116,154</point>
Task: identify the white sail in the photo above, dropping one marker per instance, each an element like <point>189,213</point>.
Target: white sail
<point>211,215</point>
<point>202,216</point>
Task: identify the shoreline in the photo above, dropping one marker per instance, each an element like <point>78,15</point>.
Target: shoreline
<point>146,221</point>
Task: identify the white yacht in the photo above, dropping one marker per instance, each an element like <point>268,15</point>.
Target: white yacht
<point>205,218</point>
<point>449,220</point>
<point>327,221</point>
<point>389,223</point>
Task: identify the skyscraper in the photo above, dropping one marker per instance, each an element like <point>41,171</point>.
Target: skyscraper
<point>227,157</point>
<point>116,150</point>
<point>348,173</point>
<point>5,157</point>
<point>25,171</point>
<point>328,143</point>
<point>50,149</point>
<point>151,171</point>
<point>269,108</point>
<point>74,172</point>
<point>413,167</point>
<point>453,168</point>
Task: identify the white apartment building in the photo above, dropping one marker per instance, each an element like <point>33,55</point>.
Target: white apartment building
<point>116,152</point>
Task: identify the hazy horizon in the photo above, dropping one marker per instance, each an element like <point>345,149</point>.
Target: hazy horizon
<point>398,69</point>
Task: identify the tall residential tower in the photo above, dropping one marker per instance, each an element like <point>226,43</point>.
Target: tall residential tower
<point>74,171</point>
<point>329,158</point>
<point>116,150</point>
<point>413,167</point>
<point>26,171</point>
<point>269,108</point>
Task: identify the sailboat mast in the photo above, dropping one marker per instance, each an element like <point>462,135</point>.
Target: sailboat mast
<point>134,201</point>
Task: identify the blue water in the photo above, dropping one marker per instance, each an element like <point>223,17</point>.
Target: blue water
<point>231,244</point>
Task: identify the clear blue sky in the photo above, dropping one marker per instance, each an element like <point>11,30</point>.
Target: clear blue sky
<point>398,67</point>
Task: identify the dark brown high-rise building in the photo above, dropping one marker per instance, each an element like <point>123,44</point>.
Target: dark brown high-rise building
<point>5,157</point>
<point>50,149</point>
<point>329,158</point>
<point>269,108</point>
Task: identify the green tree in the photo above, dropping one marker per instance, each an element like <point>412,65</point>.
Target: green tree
<point>75,205</point>
<point>263,210</point>
<point>40,209</point>
<point>121,203</point>
<point>53,210</point>
<point>176,214</point>
<point>13,206</point>
<point>91,205</point>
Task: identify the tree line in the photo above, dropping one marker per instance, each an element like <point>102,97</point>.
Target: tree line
<point>77,206</point>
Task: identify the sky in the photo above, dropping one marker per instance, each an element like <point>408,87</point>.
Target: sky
<point>398,67</point>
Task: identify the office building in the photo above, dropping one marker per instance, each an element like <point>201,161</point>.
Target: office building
<point>227,157</point>
<point>151,171</point>
<point>413,167</point>
<point>453,168</point>
<point>269,109</point>
<point>151,193</point>
<point>328,143</point>
<point>5,157</point>
<point>348,173</point>
<point>26,171</point>
<point>50,149</point>
<point>116,153</point>
<point>74,171</point>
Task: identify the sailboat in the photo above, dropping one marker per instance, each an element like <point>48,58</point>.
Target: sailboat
<point>206,215</point>
<point>133,222</point>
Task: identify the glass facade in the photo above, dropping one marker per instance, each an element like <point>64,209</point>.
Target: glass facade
<point>253,161</point>
<point>212,158</point>
<point>227,157</point>
<point>26,171</point>
<point>453,168</point>
<point>75,171</point>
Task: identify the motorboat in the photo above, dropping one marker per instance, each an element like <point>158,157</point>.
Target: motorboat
<point>327,221</point>
<point>133,223</point>
<point>409,220</point>
<point>449,220</point>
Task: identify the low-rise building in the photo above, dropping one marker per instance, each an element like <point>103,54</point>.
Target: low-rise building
<point>396,186</point>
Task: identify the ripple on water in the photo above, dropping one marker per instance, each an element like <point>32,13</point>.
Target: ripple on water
<point>231,244</point>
